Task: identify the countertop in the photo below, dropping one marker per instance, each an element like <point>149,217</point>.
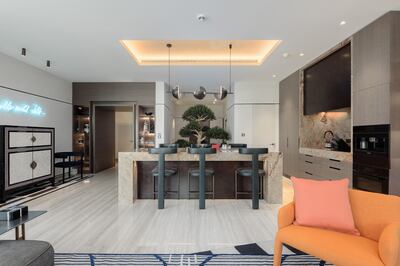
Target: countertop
<point>337,155</point>
<point>232,155</point>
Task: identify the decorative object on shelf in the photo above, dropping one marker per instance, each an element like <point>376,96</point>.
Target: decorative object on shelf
<point>146,126</point>
<point>198,116</point>
<point>201,92</point>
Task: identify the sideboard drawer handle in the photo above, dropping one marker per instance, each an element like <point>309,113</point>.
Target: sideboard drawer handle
<point>309,162</point>
<point>334,160</point>
<point>33,139</point>
<point>308,173</point>
<point>335,168</point>
<point>33,165</point>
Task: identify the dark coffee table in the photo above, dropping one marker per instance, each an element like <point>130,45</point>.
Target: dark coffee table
<point>19,224</point>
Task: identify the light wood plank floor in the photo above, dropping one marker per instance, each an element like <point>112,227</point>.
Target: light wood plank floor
<point>86,217</point>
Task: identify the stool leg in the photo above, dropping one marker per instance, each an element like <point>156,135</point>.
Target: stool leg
<point>179,184</point>
<point>188,183</point>
<point>161,184</point>
<point>213,193</point>
<point>255,182</point>
<point>236,176</point>
<point>202,200</point>
<point>154,187</point>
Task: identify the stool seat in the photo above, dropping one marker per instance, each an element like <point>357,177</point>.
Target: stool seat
<point>196,172</point>
<point>167,172</point>
<point>247,172</point>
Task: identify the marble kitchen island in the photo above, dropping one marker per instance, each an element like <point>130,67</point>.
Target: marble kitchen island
<point>135,180</point>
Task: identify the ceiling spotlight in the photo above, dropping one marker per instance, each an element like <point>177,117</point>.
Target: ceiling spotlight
<point>221,94</point>
<point>200,93</point>
<point>285,55</point>
<point>201,17</point>
<point>274,76</point>
<point>23,51</point>
<point>301,54</point>
<point>176,93</point>
<point>48,63</point>
<point>342,23</point>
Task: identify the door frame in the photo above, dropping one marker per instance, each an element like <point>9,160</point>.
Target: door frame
<point>92,115</point>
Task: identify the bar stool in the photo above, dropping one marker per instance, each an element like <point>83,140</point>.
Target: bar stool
<point>161,172</point>
<point>202,172</point>
<point>247,172</point>
<point>255,152</point>
<point>196,173</point>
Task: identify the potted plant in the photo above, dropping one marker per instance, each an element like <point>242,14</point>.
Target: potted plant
<point>199,117</point>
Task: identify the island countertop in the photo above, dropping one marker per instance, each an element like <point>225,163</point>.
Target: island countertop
<point>128,177</point>
<point>230,155</point>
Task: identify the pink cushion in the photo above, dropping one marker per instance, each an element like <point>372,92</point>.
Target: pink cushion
<point>323,204</point>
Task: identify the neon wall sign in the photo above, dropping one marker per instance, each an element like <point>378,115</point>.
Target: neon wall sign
<point>9,106</point>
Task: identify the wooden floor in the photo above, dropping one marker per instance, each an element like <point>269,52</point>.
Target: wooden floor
<point>86,217</point>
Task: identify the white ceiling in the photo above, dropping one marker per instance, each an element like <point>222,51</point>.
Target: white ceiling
<point>81,36</point>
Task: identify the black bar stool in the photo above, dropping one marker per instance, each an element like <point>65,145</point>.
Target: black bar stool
<point>202,172</point>
<point>196,173</point>
<point>161,172</point>
<point>247,172</point>
<point>255,152</point>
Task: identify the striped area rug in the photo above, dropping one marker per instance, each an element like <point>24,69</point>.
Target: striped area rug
<point>76,259</point>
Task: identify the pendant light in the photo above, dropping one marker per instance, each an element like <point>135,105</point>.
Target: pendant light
<point>222,91</point>
<point>200,93</point>
<point>175,91</point>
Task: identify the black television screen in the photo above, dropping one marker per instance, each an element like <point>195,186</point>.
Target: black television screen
<point>327,84</point>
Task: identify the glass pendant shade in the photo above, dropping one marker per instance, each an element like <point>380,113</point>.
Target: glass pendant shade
<point>221,94</point>
<point>176,93</point>
<point>200,93</point>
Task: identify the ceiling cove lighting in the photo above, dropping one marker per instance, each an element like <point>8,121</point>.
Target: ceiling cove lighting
<point>200,52</point>
<point>200,93</point>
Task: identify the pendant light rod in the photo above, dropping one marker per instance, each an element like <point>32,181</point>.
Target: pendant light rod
<point>169,66</point>
<point>230,68</point>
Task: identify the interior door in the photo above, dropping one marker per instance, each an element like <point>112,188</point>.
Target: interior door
<point>104,138</point>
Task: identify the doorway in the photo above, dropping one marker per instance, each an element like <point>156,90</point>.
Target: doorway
<point>113,126</point>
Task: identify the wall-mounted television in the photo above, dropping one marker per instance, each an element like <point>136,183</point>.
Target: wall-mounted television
<point>327,83</point>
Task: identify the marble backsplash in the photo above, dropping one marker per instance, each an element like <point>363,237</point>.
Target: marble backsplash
<point>313,127</point>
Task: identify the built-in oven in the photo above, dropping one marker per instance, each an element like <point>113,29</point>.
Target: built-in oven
<point>371,158</point>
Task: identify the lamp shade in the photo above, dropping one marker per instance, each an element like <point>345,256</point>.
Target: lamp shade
<point>221,94</point>
<point>176,93</point>
<point>200,93</point>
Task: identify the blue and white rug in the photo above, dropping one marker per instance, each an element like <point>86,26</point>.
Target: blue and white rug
<point>250,254</point>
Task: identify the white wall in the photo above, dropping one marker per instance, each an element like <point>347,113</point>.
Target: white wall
<point>164,115</point>
<point>22,83</point>
<point>252,114</point>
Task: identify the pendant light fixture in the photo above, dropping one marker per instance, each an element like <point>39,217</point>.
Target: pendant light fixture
<point>200,93</point>
<point>222,91</point>
<point>175,91</point>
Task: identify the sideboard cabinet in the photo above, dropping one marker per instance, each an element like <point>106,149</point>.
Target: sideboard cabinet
<point>26,158</point>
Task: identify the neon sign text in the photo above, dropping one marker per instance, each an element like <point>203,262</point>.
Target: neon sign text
<point>32,109</point>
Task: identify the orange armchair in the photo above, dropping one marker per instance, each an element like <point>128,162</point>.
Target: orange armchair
<point>376,216</point>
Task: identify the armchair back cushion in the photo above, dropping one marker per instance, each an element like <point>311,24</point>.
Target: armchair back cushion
<point>324,204</point>
<point>372,212</point>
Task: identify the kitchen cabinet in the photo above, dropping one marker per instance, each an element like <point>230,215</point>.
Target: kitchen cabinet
<point>26,158</point>
<point>289,123</point>
<point>319,168</point>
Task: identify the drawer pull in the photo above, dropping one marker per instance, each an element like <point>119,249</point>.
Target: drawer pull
<point>308,173</point>
<point>308,155</point>
<point>334,160</point>
<point>309,162</point>
<point>33,139</point>
<point>335,168</point>
<point>33,165</point>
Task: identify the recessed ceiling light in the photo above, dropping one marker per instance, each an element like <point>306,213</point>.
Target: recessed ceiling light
<point>274,76</point>
<point>301,54</point>
<point>285,55</point>
<point>201,17</point>
<point>342,23</point>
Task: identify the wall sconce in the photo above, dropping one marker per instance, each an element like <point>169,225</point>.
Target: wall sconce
<point>324,118</point>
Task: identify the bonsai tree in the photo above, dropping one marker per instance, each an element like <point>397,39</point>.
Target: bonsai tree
<point>198,116</point>
<point>218,133</point>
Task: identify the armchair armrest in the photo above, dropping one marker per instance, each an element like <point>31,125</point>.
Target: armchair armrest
<point>389,245</point>
<point>286,215</point>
